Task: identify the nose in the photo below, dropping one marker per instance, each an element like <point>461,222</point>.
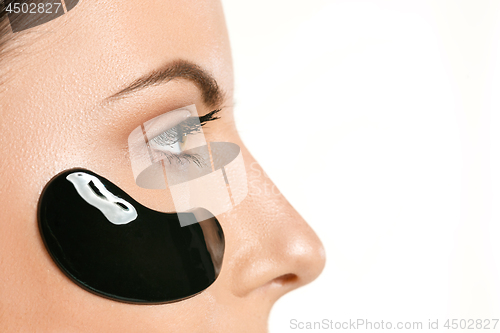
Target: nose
<point>272,249</point>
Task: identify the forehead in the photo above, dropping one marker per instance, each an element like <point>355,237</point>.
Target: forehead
<point>101,46</point>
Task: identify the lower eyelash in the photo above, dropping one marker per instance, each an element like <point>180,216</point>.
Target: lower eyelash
<point>183,158</point>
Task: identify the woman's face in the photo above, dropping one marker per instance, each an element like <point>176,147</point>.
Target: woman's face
<point>56,115</point>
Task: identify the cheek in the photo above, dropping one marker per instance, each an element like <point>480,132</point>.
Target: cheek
<point>29,156</point>
<point>33,283</point>
<point>34,290</point>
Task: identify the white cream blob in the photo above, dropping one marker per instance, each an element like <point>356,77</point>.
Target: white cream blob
<point>108,203</point>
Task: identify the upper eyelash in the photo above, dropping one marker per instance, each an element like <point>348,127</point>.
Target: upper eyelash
<point>187,127</point>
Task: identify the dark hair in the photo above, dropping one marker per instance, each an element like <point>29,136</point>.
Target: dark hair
<point>15,25</point>
<point>4,26</point>
<point>6,37</point>
<point>9,41</point>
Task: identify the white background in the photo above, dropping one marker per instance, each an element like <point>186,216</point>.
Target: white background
<point>380,122</point>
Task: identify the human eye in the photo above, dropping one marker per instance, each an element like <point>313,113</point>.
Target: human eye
<point>172,140</point>
<point>173,144</point>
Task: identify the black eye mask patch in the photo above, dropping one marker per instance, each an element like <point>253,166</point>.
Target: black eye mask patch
<point>111,245</point>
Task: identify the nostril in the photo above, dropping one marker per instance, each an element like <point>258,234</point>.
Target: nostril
<point>285,279</point>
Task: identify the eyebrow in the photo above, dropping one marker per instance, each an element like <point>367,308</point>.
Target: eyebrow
<point>212,94</point>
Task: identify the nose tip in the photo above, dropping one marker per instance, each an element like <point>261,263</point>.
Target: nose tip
<point>282,254</point>
<point>306,255</point>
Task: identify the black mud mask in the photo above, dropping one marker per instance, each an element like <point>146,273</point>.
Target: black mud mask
<point>111,245</point>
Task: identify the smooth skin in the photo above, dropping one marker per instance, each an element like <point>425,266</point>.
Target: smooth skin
<point>54,116</point>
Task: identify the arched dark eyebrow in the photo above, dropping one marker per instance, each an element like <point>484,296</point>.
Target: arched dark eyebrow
<point>212,94</point>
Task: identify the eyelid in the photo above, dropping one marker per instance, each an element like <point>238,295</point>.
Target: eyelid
<point>164,122</point>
